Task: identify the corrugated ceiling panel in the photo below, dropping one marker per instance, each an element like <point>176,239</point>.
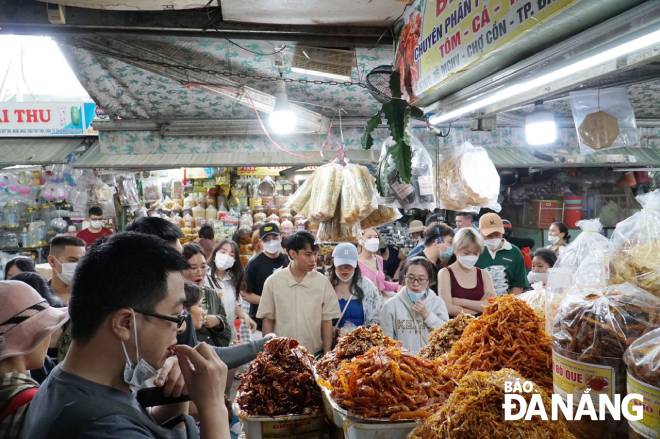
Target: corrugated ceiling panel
<point>39,151</point>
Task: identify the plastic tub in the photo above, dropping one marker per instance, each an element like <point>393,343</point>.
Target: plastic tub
<point>293,426</point>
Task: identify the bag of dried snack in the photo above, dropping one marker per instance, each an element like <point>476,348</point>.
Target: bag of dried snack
<point>636,246</point>
<point>643,361</point>
<point>590,335</point>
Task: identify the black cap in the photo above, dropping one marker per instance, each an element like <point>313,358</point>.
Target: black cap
<point>268,229</point>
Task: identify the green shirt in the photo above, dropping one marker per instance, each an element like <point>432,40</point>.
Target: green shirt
<point>507,268</point>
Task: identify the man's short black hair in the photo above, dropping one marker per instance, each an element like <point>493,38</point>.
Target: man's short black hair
<point>466,215</point>
<point>302,240</point>
<point>95,210</point>
<point>153,225</point>
<point>58,243</point>
<point>128,270</point>
<point>436,217</point>
<point>206,231</point>
<point>22,263</point>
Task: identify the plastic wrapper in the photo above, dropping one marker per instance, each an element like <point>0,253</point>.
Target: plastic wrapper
<point>325,192</point>
<point>604,119</point>
<point>381,216</point>
<point>584,263</point>
<point>643,361</point>
<point>594,329</point>
<point>636,246</point>
<point>535,298</point>
<point>468,181</point>
<point>337,231</point>
<point>358,194</point>
<point>151,190</point>
<point>420,192</point>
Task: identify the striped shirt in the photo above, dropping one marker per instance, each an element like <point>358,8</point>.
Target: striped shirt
<point>11,384</point>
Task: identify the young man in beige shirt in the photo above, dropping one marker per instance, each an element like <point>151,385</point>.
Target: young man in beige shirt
<point>297,301</point>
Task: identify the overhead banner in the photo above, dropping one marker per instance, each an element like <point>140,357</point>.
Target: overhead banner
<point>442,37</point>
<point>44,119</point>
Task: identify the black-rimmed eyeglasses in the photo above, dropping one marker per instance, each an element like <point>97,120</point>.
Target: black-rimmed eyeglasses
<point>178,319</point>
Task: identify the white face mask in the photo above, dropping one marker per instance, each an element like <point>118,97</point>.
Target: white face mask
<point>468,261</point>
<point>493,244</point>
<point>273,247</point>
<point>96,224</point>
<point>223,261</point>
<point>68,271</point>
<point>137,375</point>
<point>554,239</point>
<point>535,277</point>
<point>344,279</point>
<point>371,245</point>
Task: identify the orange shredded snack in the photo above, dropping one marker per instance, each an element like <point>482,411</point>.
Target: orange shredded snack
<point>388,383</point>
<point>509,334</point>
<point>474,410</point>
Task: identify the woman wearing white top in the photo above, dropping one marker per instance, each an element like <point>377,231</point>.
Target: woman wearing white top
<point>227,277</point>
<point>415,310</point>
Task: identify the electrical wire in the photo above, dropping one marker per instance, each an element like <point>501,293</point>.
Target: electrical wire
<point>280,50</point>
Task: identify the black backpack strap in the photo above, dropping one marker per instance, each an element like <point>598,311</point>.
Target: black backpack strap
<point>73,417</point>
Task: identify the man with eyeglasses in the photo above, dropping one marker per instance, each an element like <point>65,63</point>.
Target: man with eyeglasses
<point>126,309</point>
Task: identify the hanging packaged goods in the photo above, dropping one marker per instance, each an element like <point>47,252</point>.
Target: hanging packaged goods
<point>468,180</point>
<point>636,246</point>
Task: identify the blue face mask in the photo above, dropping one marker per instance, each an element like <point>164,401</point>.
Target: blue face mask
<point>447,253</point>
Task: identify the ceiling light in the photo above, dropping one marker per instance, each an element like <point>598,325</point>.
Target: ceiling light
<point>525,86</point>
<point>540,127</point>
<point>282,119</point>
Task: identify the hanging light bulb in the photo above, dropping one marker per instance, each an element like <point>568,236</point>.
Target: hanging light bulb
<point>282,119</point>
<point>540,127</point>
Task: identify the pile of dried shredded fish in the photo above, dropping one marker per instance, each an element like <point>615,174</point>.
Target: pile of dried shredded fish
<point>474,410</point>
<point>443,338</point>
<point>509,334</point>
<point>389,383</point>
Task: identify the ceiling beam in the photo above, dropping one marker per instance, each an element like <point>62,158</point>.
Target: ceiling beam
<point>29,17</point>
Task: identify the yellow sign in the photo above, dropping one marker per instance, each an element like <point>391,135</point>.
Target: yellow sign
<point>442,37</point>
<point>570,377</point>
<point>649,426</point>
<point>250,171</point>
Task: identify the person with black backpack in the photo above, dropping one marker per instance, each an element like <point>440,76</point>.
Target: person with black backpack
<point>126,309</point>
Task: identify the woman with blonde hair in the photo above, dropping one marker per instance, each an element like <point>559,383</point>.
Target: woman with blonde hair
<point>464,287</point>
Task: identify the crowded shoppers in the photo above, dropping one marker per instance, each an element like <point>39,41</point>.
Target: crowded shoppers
<point>19,264</point>
<point>27,323</point>
<point>544,260</point>
<point>415,310</point>
<point>226,276</point>
<point>462,286</point>
<point>558,237</point>
<point>96,230</point>
<point>360,302</point>
<point>262,266</point>
<point>193,303</point>
<point>500,258</point>
<point>216,329</point>
<point>206,240</point>
<point>126,309</point>
<point>299,302</point>
<point>287,229</point>
<point>232,356</point>
<point>65,253</point>
<point>371,263</point>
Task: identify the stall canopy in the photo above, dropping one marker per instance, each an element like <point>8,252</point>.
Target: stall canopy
<point>38,151</point>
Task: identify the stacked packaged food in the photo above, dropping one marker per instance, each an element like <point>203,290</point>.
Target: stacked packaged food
<point>643,361</point>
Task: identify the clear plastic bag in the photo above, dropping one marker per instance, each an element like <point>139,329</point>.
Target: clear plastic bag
<point>643,358</point>
<point>381,216</point>
<point>584,263</point>
<point>152,190</point>
<point>636,246</point>
<point>420,192</point>
<point>604,119</point>
<point>535,298</point>
<point>358,194</point>
<point>325,192</point>
<point>468,181</point>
